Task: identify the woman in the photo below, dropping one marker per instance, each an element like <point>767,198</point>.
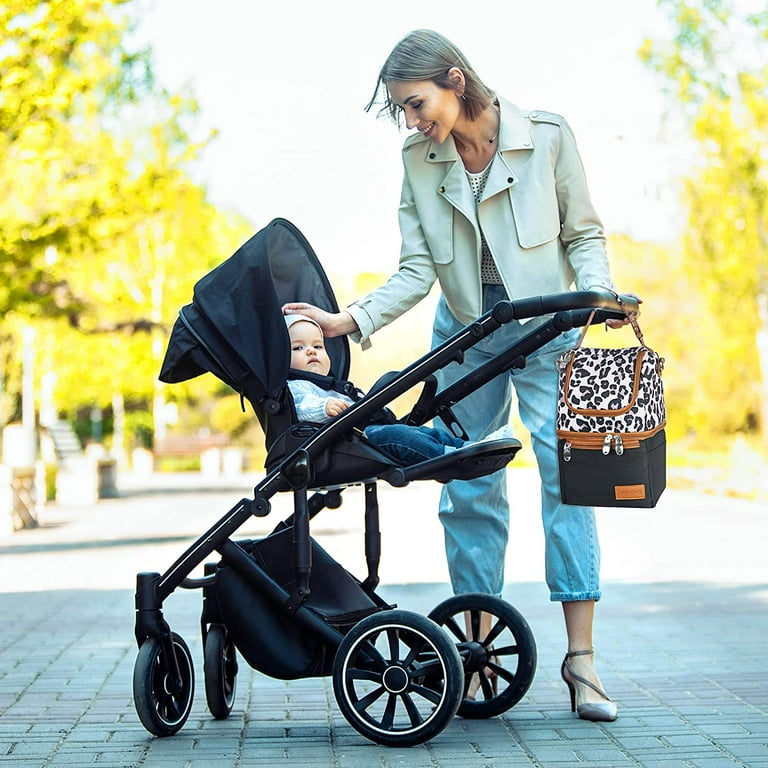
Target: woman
<point>494,205</point>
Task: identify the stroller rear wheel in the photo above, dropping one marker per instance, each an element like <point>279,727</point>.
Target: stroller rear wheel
<point>397,678</point>
<point>163,703</point>
<point>220,671</point>
<point>499,652</point>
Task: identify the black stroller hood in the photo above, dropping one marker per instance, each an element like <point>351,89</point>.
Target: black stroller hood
<point>234,327</point>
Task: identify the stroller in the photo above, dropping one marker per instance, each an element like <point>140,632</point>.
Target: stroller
<point>282,602</point>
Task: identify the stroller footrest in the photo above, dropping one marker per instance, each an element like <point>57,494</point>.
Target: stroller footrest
<point>465,463</point>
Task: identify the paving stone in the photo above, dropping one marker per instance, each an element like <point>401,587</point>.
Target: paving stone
<point>680,648</point>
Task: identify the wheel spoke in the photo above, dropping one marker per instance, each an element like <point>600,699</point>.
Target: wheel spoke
<point>485,685</point>
<point>370,654</point>
<point>416,648</point>
<point>455,629</point>
<point>495,631</point>
<point>370,675</point>
<point>389,712</point>
<point>503,673</point>
<point>413,711</point>
<point>507,650</point>
<point>430,694</point>
<point>393,639</point>
<point>428,664</point>
<point>362,704</point>
<point>474,621</point>
<point>171,710</point>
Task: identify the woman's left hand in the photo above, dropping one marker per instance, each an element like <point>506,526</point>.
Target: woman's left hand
<point>616,323</point>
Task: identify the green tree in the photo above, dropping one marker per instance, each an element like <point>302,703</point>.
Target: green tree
<point>716,72</point>
<point>64,75</point>
<point>102,230</point>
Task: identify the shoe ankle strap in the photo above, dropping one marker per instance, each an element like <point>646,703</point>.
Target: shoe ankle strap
<point>571,654</point>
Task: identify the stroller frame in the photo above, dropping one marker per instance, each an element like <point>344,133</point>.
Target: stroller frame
<point>163,682</point>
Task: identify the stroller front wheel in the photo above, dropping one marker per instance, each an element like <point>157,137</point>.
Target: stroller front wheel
<point>162,703</point>
<point>220,671</point>
<point>398,678</point>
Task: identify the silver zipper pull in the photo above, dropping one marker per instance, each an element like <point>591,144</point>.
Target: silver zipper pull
<point>564,359</point>
<point>619,445</point>
<point>607,444</point>
<point>566,451</point>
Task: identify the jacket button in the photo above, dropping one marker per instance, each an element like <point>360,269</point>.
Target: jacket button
<point>534,114</point>
<point>510,180</point>
<point>431,155</point>
<point>441,190</point>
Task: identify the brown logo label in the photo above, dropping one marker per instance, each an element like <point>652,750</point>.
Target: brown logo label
<point>624,492</point>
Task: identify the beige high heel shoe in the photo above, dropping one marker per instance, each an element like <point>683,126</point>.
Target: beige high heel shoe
<point>601,711</point>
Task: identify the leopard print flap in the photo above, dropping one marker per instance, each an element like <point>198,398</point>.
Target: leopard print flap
<point>610,390</point>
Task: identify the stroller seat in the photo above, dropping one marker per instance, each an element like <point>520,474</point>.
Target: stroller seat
<point>353,459</point>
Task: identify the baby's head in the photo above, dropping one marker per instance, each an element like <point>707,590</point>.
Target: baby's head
<point>308,351</point>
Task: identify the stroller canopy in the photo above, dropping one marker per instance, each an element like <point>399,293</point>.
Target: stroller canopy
<point>234,327</point>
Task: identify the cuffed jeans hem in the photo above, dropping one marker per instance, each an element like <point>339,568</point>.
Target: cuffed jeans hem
<point>572,597</point>
<point>461,591</point>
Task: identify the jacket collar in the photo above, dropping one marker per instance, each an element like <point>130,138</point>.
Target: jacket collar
<point>514,134</point>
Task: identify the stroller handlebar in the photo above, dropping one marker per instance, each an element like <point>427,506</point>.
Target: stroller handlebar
<point>535,306</point>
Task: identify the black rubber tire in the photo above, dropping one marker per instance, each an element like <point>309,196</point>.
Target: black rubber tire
<point>220,671</point>
<point>398,678</point>
<point>161,709</point>
<point>508,651</point>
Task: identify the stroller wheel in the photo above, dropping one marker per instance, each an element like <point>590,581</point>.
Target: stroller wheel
<point>397,678</point>
<point>162,703</point>
<point>220,671</point>
<point>499,655</point>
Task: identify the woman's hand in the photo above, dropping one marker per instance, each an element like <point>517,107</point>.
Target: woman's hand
<point>334,406</point>
<point>332,323</point>
<point>615,323</point>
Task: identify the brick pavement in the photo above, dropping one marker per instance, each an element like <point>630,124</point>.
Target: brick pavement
<point>681,635</point>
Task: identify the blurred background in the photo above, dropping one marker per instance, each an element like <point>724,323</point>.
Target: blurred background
<point>143,142</point>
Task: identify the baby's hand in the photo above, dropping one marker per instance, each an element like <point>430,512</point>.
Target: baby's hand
<point>334,406</point>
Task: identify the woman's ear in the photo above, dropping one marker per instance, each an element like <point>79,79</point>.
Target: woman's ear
<point>456,79</point>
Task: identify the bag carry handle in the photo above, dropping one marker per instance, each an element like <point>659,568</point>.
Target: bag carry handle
<point>631,316</point>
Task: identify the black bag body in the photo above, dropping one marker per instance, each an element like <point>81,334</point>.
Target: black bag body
<point>636,478</point>
<point>269,638</point>
<point>610,425</point>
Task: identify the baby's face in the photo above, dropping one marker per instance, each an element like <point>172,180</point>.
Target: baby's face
<point>308,348</point>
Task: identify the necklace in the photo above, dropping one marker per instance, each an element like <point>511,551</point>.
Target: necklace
<point>461,145</point>
<point>466,148</point>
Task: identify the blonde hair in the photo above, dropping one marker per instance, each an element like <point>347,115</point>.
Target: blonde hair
<point>427,55</point>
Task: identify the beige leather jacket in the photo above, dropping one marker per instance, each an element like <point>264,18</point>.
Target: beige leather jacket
<point>535,213</point>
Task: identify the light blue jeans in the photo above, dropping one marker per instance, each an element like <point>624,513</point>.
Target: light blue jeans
<point>475,513</point>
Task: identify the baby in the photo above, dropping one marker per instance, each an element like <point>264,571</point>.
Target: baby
<point>406,443</point>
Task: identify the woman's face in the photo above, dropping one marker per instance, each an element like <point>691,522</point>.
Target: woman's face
<point>427,107</point>
<point>308,348</point>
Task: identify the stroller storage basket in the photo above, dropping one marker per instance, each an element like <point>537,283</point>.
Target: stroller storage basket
<point>267,635</point>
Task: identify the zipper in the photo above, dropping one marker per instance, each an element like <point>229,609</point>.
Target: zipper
<point>598,441</point>
<point>618,444</point>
